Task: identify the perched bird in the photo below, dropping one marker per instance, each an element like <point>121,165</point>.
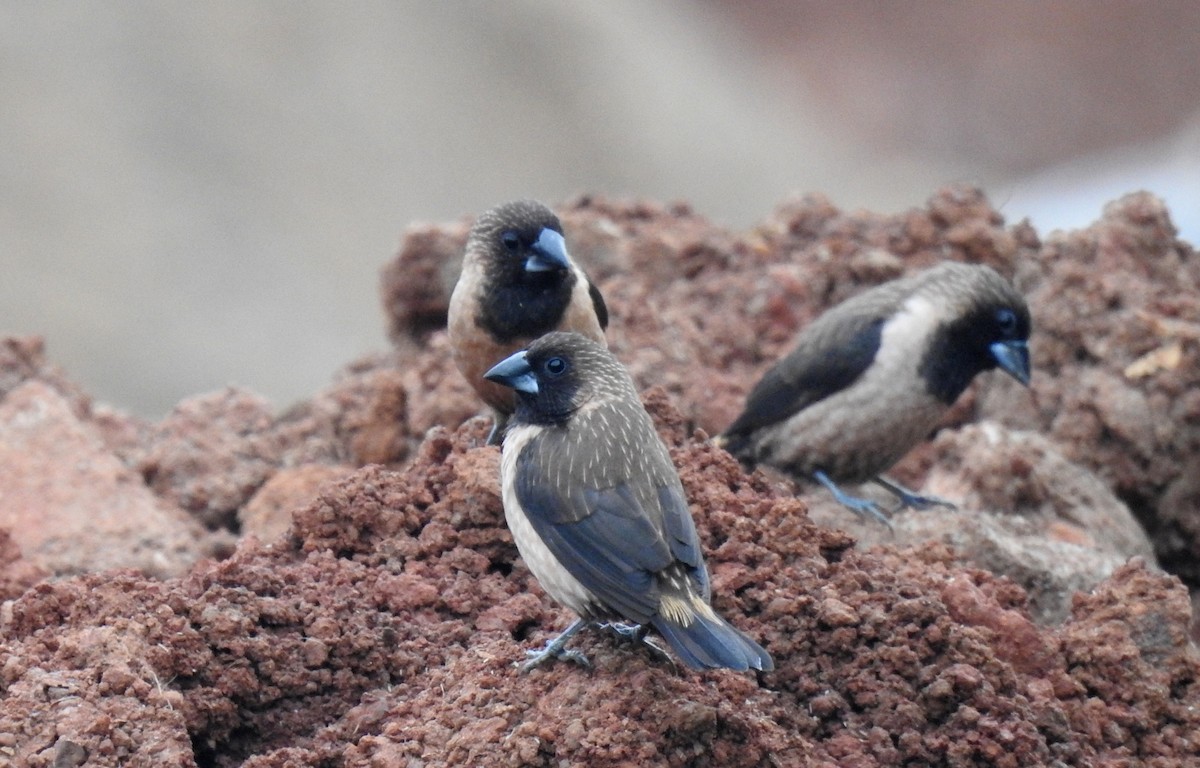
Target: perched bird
<point>597,510</point>
<point>873,376</point>
<point>518,282</point>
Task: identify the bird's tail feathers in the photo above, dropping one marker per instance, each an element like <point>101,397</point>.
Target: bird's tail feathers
<point>710,642</point>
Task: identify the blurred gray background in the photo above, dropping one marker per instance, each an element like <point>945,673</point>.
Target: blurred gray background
<point>200,194</point>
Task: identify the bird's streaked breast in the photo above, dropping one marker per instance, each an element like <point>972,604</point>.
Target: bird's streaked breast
<point>542,563</point>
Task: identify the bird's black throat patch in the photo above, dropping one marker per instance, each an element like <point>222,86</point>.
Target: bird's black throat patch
<point>951,361</point>
<point>960,350</point>
<point>525,305</point>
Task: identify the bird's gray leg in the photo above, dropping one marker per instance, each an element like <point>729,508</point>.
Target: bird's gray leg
<point>555,649</point>
<point>860,507</point>
<point>637,633</point>
<point>910,498</point>
<point>499,423</point>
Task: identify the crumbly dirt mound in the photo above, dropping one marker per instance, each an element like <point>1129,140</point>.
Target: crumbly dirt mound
<point>1119,350</point>
<point>382,626</point>
<point>702,313</point>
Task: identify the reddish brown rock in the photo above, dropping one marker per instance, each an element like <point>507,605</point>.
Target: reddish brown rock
<point>383,627</point>
<point>416,285</point>
<point>362,418</point>
<point>1024,511</point>
<point>209,455</point>
<point>70,505</point>
<point>16,573</point>
<point>212,453</point>
<point>385,630</point>
<point>24,358</point>
<point>268,514</point>
<point>99,687</point>
<point>1117,354</point>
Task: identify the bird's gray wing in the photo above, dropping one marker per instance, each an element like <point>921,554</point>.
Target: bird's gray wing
<point>681,532</point>
<point>615,525</point>
<point>829,356</point>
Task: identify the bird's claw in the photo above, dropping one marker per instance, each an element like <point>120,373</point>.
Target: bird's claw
<point>557,649</point>
<point>657,651</point>
<point>909,498</point>
<point>496,436</point>
<point>867,508</point>
<point>860,507</point>
<point>638,633</point>
<point>631,632</point>
<point>917,501</point>
<point>542,655</point>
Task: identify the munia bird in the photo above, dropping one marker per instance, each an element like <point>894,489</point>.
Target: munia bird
<point>873,376</point>
<point>597,509</point>
<point>518,282</point>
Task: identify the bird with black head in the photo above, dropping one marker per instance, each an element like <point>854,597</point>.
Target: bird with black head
<point>597,510</point>
<point>873,376</point>
<point>518,282</point>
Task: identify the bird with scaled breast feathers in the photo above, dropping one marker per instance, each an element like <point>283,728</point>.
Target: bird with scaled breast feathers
<point>872,377</point>
<point>597,510</point>
<point>518,282</point>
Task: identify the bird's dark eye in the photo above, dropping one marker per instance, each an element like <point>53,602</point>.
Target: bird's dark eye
<point>1007,320</point>
<point>555,366</point>
<point>511,241</point>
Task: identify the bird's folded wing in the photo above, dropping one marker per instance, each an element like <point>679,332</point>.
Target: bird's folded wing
<point>681,533</point>
<point>828,358</point>
<point>610,539</point>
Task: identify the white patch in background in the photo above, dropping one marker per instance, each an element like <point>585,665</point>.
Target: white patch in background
<point>1073,195</point>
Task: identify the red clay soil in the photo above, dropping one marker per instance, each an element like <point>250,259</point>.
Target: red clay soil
<point>381,628</point>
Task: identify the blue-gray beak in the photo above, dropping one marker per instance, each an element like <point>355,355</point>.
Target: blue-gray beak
<point>549,253</point>
<point>1013,359</point>
<point>514,371</point>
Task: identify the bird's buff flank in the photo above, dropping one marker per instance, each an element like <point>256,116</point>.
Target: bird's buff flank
<point>874,376</point>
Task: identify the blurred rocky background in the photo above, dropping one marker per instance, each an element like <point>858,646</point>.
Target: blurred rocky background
<point>200,194</point>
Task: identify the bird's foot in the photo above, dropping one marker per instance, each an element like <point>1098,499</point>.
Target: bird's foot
<point>496,436</point>
<point>556,649</point>
<point>639,634</point>
<point>632,632</point>
<point>859,506</point>
<point>539,657</point>
<point>910,498</point>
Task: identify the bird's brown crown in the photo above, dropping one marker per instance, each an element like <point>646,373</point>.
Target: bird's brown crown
<point>502,233</point>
